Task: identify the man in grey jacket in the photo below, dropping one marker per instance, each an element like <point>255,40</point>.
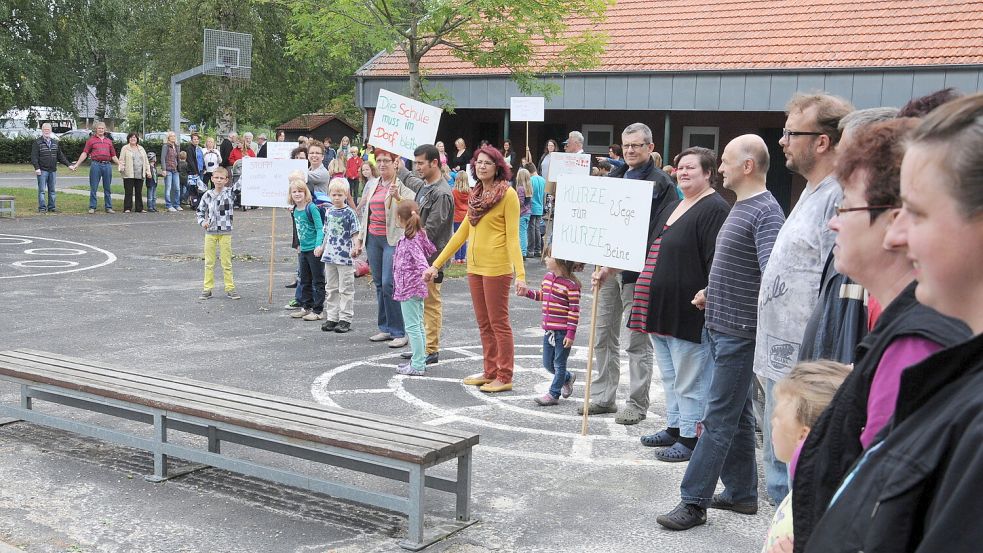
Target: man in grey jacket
<point>436,202</point>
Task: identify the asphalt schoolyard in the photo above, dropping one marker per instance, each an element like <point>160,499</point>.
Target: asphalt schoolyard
<point>122,289</point>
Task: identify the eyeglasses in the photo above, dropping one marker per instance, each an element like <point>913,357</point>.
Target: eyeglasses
<point>482,162</point>
<point>841,210</point>
<point>383,161</point>
<point>635,146</point>
<point>786,133</point>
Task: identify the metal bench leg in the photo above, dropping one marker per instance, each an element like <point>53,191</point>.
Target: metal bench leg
<point>464,487</point>
<point>214,444</point>
<point>25,403</point>
<point>160,460</point>
<point>414,534</point>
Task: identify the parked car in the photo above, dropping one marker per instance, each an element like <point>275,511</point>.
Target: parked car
<point>76,134</point>
<point>19,132</point>
<point>118,137</point>
<point>162,135</point>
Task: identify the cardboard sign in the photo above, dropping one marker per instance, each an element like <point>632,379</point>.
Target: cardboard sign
<point>472,182</point>
<point>528,108</point>
<point>562,163</point>
<point>279,150</point>
<point>266,182</point>
<point>602,221</point>
<point>401,124</point>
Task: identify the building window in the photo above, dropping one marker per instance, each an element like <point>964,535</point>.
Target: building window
<point>706,137</point>
<point>597,138</point>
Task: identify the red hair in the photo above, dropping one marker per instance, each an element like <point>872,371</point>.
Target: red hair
<point>502,169</point>
<point>380,152</point>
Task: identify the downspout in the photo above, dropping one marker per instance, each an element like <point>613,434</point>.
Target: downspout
<point>359,95</point>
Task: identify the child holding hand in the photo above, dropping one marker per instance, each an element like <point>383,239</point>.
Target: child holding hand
<point>560,296</point>
<point>409,288</point>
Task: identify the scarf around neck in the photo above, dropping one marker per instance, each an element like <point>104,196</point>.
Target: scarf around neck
<point>481,200</point>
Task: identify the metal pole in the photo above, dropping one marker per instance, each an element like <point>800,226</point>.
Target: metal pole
<point>665,142</point>
<point>176,107</point>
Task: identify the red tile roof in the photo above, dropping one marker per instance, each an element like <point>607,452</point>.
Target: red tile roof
<point>311,121</point>
<point>730,35</point>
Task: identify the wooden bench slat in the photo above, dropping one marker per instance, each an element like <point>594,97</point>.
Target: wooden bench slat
<point>287,429</point>
<point>259,399</point>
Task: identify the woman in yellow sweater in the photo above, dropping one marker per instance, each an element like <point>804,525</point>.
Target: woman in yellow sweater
<point>491,229</point>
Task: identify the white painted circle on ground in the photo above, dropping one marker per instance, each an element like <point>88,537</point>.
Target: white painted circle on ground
<point>498,412</point>
<point>45,263</point>
<point>55,251</point>
<point>87,257</point>
<point>13,241</point>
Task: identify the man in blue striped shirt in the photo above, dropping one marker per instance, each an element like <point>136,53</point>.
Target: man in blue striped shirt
<point>726,447</point>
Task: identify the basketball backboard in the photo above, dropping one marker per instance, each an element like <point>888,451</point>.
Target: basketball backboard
<point>227,54</point>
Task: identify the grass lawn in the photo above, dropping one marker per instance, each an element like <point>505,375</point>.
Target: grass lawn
<point>26,202</point>
<point>27,168</point>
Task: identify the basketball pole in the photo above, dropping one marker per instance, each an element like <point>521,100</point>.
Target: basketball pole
<point>272,250</point>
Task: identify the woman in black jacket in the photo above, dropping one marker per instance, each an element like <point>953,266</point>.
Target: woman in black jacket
<point>917,487</point>
<point>676,268</point>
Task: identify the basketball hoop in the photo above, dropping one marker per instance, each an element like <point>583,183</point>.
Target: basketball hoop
<point>225,54</point>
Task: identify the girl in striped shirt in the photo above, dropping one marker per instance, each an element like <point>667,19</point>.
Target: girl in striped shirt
<point>560,296</point>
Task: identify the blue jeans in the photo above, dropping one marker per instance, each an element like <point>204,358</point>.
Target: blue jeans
<point>46,181</point>
<point>381,262</point>
<point>535,235</point>
<point>100,170</point>
<point>726,447</point>
<point>151,193</point>
<point>462,253</point>
<point>523,233</point>
<point>312,279</point>
<point>412,311</point>
<point>685,377</point>
<point>172,190</point>
<point>776,472</point>
<point>555,359</point>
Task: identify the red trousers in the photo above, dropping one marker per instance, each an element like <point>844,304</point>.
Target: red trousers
<point>490,295</point>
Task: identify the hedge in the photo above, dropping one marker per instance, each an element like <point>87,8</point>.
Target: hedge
<point>18,150</point>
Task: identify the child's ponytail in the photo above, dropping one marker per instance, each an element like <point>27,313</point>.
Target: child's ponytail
<point>409,214</point>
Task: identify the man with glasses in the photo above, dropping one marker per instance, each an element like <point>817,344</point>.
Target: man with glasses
<point>790,283</point>
<point>615,293</point>
<point>317,174</point>
<point>437,217</point>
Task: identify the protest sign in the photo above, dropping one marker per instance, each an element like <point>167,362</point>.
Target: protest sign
<point>401,124</point>
<point>602,221</point>
<point>265,182</point>
<point>562,163</point>
<point>279,150</point>
<point>531,108</point>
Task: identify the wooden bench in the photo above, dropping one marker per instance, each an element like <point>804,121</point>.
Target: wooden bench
<point>380,446</point>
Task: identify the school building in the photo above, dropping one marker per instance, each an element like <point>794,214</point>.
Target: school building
<point>702,73</point>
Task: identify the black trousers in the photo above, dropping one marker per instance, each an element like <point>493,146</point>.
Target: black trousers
<point>133,194</point>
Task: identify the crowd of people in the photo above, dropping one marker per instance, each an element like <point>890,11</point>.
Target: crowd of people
<point>857,315</point>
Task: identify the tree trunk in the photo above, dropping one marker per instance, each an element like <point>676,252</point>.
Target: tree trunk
<point>416,85</point>
<point>225,122</point>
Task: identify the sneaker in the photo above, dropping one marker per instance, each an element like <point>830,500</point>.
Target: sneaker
<point>110,210</point>
<point>408,370</point>
<point>567,388</point>
<point>300,313</point>
<point>294,304</point>
<point>433,358</point>
<point>42,210</point>
<point>719,502</point>
<point>546,400</point>
<point>91,211</point>
<point>631,415</point>
<point>126,211</point>
<point>151,211</point>
<point>171,209</point>
<point>683,517</point>
<point>380,337</point>
<point>329,326</point>
<point>53,210</point>
<point>233,295</point>
<point>205,295</point>
<point>312,316</point>
<point>406,355</point>
<point>595,409</point>
<point>399,342</point>
<point>179,208</point>
<point>343,327</point>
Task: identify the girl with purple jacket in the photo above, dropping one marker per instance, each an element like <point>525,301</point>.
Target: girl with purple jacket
<point>409,288</point>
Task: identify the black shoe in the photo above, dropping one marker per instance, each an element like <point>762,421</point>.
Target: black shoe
<point>329,326</point>
<point>52,210</point>
<point>433,358</point>
<point>406,355</point>
<point>291,285</point>
<point>683,517</point>
<point>719,502</point>
<point>343,327</point>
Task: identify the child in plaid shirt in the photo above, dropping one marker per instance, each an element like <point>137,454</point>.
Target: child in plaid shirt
<point>214,214</point>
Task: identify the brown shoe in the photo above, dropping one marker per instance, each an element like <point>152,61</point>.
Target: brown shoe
<point>477,380</point>
<point>496,386</point>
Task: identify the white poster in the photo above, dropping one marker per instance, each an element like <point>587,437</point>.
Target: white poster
<point>279,150</point>
<point>527,108</point>
<point>266,182</point>
<point>401,124</point>
<point>602,221</point>
<point>562,163</point>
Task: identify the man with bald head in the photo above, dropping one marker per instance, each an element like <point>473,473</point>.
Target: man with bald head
<point>725,450</point>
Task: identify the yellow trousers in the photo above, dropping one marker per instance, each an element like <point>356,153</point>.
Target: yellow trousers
<point>222,242</point>
<point>433,316</point>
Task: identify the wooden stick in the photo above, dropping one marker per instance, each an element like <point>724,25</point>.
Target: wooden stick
<point>272,251</point>
<point>590,356</point>
<point>528,152</point>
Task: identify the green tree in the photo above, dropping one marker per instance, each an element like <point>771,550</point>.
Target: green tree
<point>528,37</point>
<point>33,58</point>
